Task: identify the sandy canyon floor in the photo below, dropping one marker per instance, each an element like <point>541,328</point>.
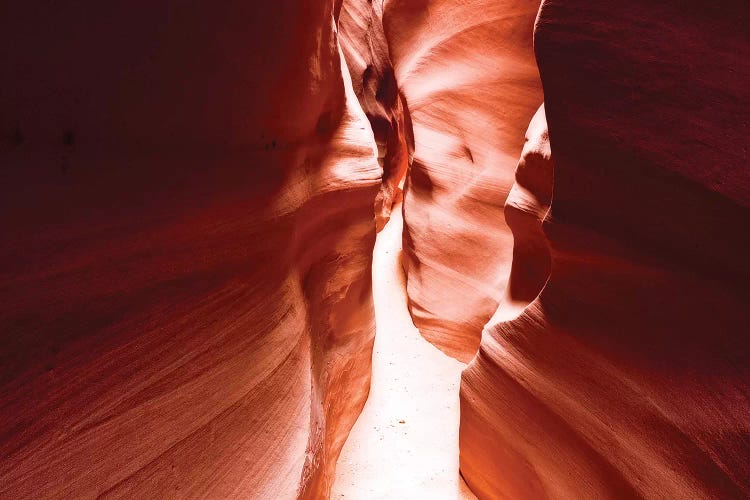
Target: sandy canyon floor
<point>405,442</point>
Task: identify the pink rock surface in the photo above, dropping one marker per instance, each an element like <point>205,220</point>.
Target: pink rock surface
<point>525,209</point>
<point>367,54</point>
<point>628,375</point>
<point>467,72</point>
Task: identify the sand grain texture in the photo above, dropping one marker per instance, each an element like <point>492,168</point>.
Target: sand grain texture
<point>405,441</point>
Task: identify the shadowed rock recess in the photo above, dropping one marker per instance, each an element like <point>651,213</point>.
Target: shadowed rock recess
<point>189,199</point>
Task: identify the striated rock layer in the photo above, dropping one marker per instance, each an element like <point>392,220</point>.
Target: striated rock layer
<point>187,230</point>
<point>467,72</point>
<point>628,375</point>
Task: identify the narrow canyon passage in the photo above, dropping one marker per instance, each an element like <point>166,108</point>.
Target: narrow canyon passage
<point>187,250</point>
<point>405,442</point>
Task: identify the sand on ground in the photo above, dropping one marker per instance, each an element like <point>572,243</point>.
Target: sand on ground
<point>405,443</point>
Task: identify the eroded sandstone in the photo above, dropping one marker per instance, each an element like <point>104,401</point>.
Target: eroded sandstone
<point>627,376</point>
<point>467,72</point>
<point>185,301</point>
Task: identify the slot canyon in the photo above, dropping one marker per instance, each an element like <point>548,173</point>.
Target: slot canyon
<point>375,249</point>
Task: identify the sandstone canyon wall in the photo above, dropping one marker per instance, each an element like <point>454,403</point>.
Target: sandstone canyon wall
<point>628,375</point>
<point>367,54</point>
<point>468,75</point>
<point>187,229</point>
<point>188,207</point>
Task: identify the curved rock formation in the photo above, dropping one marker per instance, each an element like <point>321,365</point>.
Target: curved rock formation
<point>628,375</point>
<point>187,227</point>
<point>366,50</point>
<point>468,75</point>
<point>525,209</point>
<point>185,300</point>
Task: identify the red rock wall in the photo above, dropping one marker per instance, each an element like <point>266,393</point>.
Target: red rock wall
<point>628,375</point>
<point>467,72</point>
<point>525,209</point>
<point>186,215</point>
<point>367,54</point>
<point>187,229</point>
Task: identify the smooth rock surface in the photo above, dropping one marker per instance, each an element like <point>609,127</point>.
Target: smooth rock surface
<point>468,75</point>
<point>187,230</point>
<point>367,54</point>
<point>189,199</point>
<point>628,376</point>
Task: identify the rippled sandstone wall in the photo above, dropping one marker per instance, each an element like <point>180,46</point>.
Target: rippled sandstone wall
<point>469,79</point>
<point>628,375</point>
<point>187,230</point>
<point>187,227</point>
<point>367,54</point>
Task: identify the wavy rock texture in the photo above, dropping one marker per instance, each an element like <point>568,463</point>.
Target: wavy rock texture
<point>467,72</point>
<point>628,375</point>
<point>525,208</point>
<point>367,55</point>
<point>185,299</point>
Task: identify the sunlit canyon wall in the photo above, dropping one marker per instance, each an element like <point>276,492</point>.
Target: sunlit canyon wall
<point>467,71</point>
